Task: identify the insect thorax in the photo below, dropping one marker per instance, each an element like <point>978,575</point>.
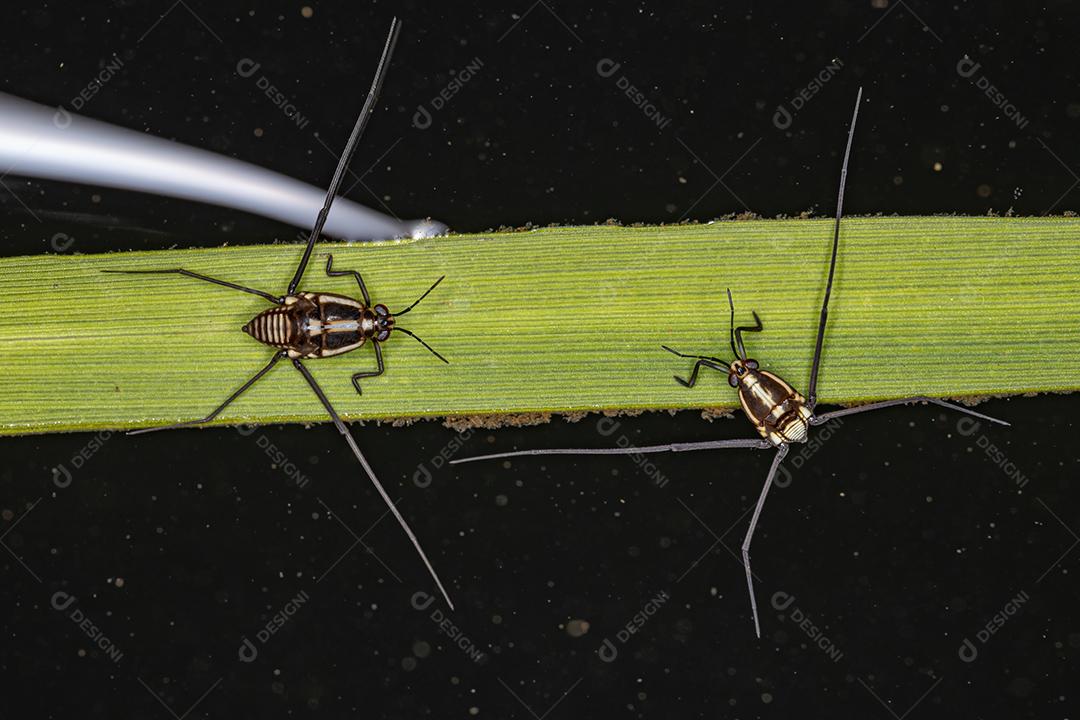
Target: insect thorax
<point>778,412</point>
<point>314,325</point>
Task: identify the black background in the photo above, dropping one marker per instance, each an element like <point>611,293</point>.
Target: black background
<point>898,540</point>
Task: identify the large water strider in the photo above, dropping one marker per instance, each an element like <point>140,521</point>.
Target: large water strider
<point>307,325</point>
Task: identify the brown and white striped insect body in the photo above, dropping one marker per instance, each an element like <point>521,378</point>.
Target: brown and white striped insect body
<point>318,325</point>
<point>780,414</point>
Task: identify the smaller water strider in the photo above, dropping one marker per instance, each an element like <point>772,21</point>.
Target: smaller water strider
<point>781,415</point>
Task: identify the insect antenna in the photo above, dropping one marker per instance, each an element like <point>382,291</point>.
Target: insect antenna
<point>350,148</point>
<point>417,301</point>
<point>417,339</point>
<point>731,327</point>
<point>812,394</point>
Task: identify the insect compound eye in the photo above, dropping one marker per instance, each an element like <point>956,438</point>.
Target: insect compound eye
<point>382,311</point>
<point>383,335</point>
<point>751,364</point>
<point>732,380</point>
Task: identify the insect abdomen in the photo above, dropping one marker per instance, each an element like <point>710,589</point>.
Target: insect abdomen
<point>314,325</point>
<point>275,327</point>
<point>777,411</point>
<point>792,423</point>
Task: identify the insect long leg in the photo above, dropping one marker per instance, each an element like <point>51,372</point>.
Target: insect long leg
<point>371,475</point>
<point>755,443</point>
<point>338,273</point>
<point>206,278</point>
<point>350,148</point>
<point>736,332</point>
<point>780,454</point>
<point>811,396</point>
<point>219,408</point>
<point>822,419</point>
<point>369,373</point>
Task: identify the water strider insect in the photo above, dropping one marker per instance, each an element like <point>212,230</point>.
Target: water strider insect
<point>308,325</point>
<point>781,415</point>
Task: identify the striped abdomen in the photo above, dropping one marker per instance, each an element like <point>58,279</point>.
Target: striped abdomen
<point>275,327</point>
<point>778,412</point>
<point>315,325</point>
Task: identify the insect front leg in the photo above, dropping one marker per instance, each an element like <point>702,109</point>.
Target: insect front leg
<point>693,375</point>
<point>370,373</point>
<point>703,361</point>
<point>338,273</point>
